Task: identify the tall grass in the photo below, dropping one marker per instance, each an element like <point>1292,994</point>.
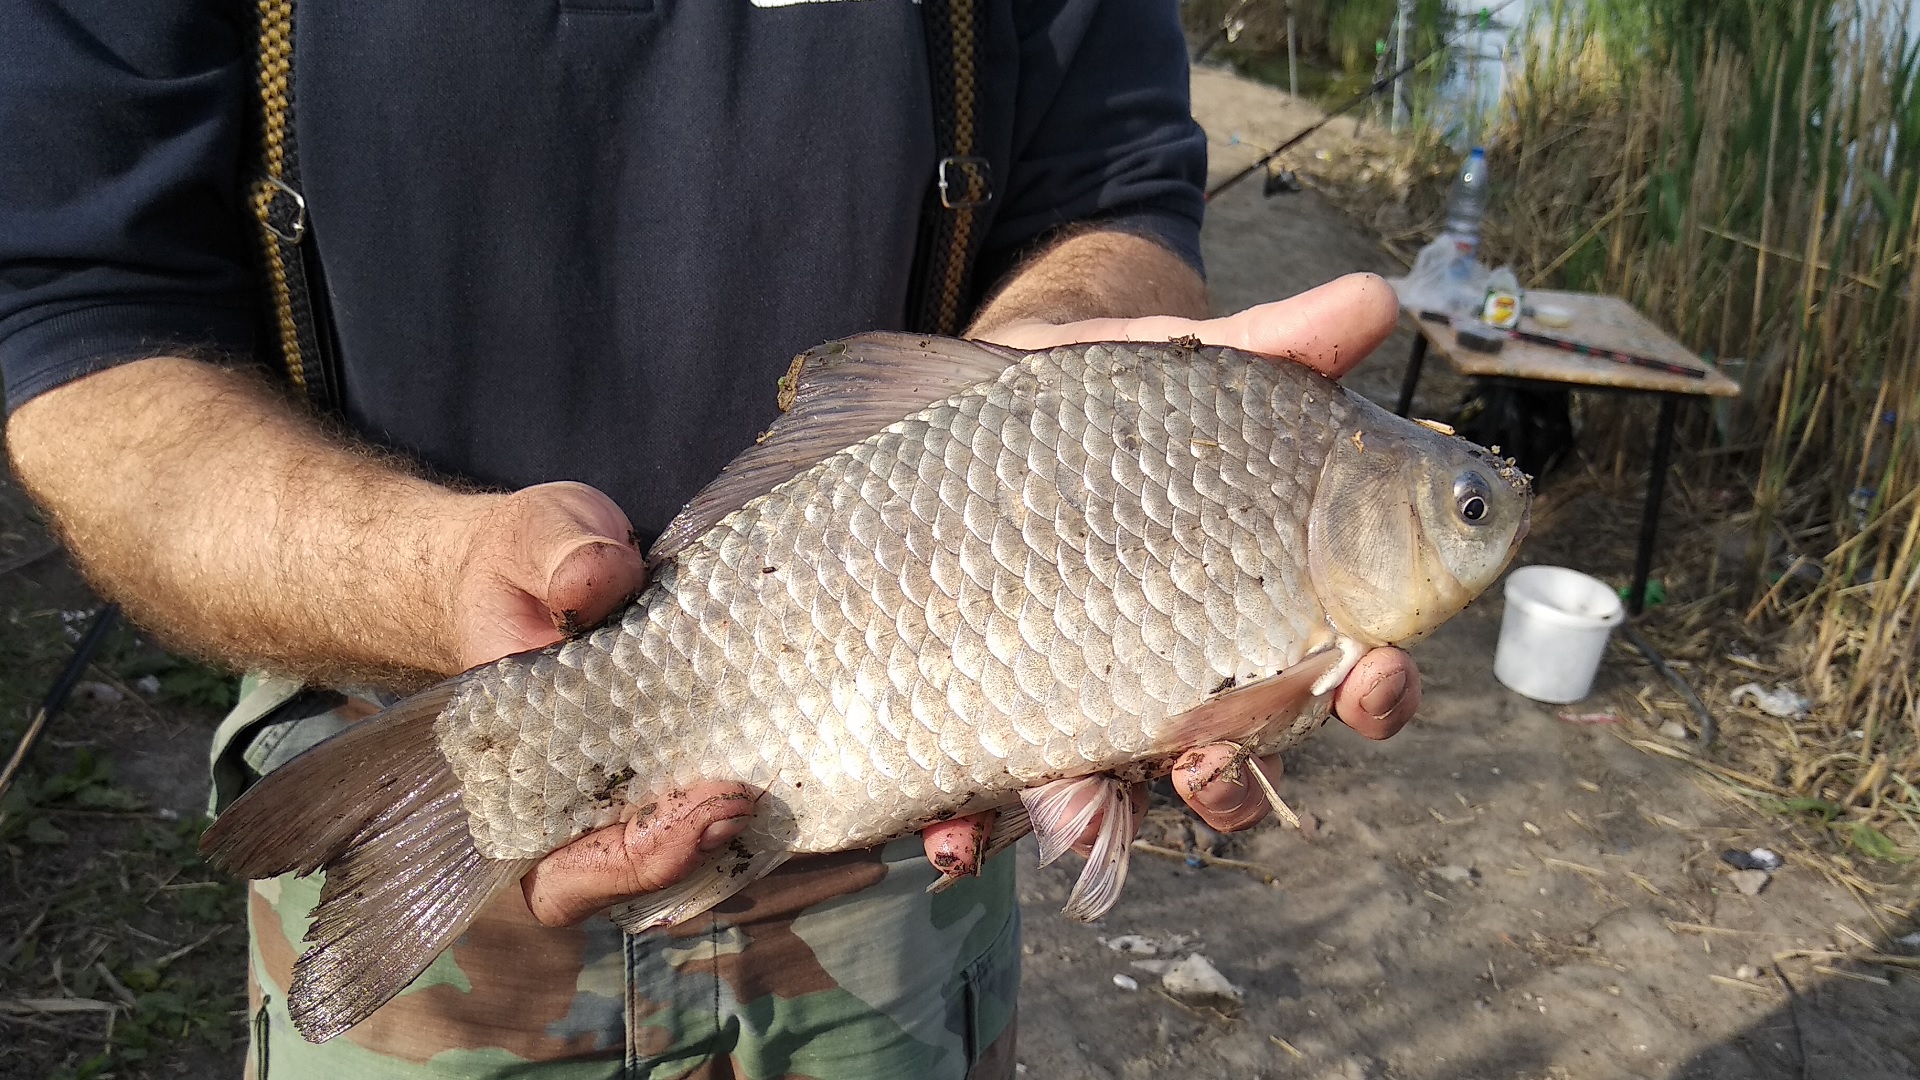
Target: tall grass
<point>1748,172</point>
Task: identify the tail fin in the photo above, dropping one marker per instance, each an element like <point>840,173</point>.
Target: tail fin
<point>378,808</point>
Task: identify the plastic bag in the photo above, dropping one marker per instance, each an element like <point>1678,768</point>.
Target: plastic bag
<point>1445,278</point>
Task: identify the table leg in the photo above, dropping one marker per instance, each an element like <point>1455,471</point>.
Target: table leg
<point>1412,379</point>
<point>1650,514</point>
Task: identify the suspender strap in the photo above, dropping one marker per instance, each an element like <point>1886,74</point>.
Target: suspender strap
<point>952,225</point>
<point>297,305</point>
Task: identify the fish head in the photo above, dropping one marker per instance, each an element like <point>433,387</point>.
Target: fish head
<point>1409,523</point>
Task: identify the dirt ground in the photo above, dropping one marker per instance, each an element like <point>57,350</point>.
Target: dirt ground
<point>121,952</point>
<point>1495,893</point>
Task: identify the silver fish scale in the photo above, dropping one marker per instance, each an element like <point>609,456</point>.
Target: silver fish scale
<point>1030,579</point>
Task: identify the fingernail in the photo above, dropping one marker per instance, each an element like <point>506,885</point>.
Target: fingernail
<point>720,832</point>
<point>1385,696</point>
<point>1240,790</point>
<point>562,557</point>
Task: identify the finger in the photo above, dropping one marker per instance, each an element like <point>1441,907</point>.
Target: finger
<point>544,563</point>
<point>578,554</point>
<point>955,848</point>
<point>1380,695</point>
<point>1329,329</point>
<point>590,580</point>
<point>662,843</point>
<point>1214,782</point>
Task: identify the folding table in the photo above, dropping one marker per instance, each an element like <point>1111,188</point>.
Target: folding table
<point>1602,322</point>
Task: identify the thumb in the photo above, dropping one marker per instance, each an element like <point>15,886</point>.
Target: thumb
<point>543,563</point>
<point>578,557</point>
<point>1330,328</point>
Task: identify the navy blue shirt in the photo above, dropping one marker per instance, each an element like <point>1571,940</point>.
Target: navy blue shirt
<point>562,239</point>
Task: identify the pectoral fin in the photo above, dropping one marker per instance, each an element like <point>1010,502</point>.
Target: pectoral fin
<point>1255,713</point>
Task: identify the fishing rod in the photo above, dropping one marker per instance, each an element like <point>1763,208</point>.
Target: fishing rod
<point>1579,348</point>
<point>104,621</point>
<point>1483,16</point>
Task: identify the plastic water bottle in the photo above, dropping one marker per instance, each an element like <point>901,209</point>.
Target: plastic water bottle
<point>1466,278</point>
<point>1468,203</point>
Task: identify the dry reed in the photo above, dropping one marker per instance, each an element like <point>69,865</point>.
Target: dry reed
<point>1750,181</point>
<point>1748,174</point>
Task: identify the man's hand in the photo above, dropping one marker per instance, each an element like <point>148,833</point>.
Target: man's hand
<point>230,521</point>
<point>543,563</point>
<point>1329,329</point>
<point>548,562</point>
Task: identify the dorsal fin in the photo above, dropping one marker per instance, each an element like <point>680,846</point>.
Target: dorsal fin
<point>833,396</point>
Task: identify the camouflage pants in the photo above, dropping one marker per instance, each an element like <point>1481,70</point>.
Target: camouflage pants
<point>837,967</point>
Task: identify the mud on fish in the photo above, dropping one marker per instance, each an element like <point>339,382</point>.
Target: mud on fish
<point>952,577</point>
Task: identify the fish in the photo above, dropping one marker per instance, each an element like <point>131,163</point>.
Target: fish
<point>950,578</point>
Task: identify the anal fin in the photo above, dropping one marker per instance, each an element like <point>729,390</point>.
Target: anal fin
<point>1060,813</point>
<point>723,873</point>
<point>1012,824</point>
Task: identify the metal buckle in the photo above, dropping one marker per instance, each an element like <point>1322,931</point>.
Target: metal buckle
<point>286,211</point>
<point>979,170</point>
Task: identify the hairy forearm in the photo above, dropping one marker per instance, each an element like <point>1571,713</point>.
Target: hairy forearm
<point>230,524</point>
<point>1094,274</point>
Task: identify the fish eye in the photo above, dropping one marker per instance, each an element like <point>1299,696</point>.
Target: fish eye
<point>1470,495</point>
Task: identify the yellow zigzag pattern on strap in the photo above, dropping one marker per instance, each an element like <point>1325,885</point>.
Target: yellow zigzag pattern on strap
<point>963,135</point>
<point>275,60</point>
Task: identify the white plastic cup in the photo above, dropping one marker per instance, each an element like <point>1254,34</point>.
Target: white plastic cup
<point>1554,632</point>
